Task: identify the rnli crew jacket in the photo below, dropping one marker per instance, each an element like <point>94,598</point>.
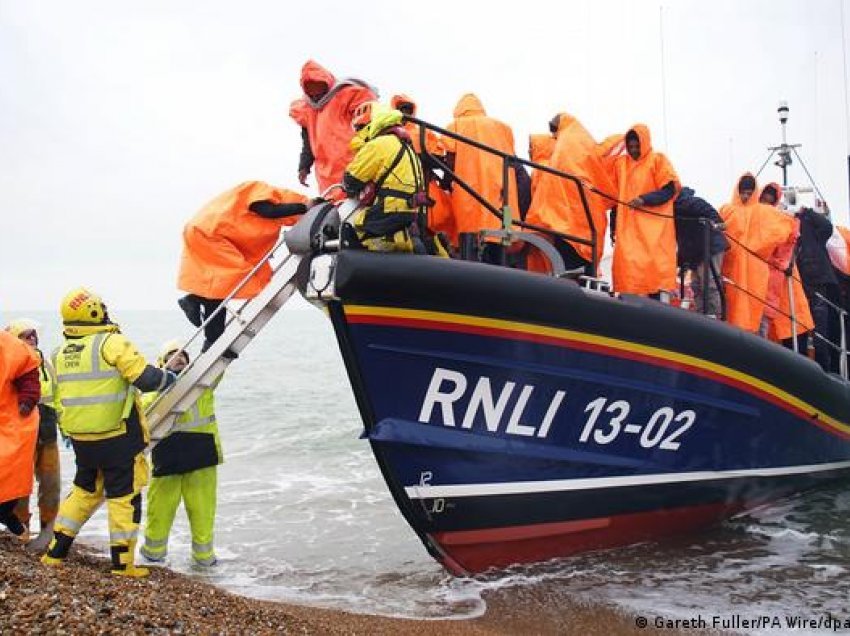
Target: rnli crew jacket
<point>98,371</point>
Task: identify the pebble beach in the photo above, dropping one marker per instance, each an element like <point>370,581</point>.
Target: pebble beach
<point>81,597</point>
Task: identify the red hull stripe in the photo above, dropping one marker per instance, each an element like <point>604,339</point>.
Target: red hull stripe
<point>470,551</point>
<point>493,328</point>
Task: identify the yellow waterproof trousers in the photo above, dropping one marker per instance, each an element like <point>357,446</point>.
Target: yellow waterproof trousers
<point>198,490</point>
<point>122,486</point>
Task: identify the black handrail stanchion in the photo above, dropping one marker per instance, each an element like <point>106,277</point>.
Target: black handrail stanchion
<point>721,290</point>
<point>706,262</point>
<point>514,160</point>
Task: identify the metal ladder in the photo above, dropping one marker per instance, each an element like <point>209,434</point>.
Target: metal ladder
<point>244,323</point>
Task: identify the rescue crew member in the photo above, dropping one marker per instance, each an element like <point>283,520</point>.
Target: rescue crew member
<point>184,469</point>
<point>19,394</point>
<point>46,450</point>
<point>98,371</point>
<point>387,176</point>
<point>324,114</point>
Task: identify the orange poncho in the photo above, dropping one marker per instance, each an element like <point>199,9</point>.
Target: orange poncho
<point>432,142</point>
<point>540,149</point>
<point>645,248</point>
<point>762,229</point>
<point>481,170</point>
<point>225,240</point>
<point>17,433</point>
<point>557,202</point>
<point>779,327</point>
<point>329,124</point>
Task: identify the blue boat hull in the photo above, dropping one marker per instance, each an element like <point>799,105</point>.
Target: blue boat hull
<point>517,418</point>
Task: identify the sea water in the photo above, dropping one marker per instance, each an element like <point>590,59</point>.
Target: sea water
<point>304,515</point>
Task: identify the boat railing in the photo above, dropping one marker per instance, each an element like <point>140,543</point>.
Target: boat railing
<point>790,278</point>
<point>509,163</point>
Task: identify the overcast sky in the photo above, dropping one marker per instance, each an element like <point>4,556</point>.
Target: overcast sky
<point>119,120</point>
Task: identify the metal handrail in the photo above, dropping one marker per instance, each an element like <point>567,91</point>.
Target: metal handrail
<point>222,307</point>
<point>508,160</point>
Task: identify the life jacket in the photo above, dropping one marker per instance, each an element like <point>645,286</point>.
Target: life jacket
<point>47,379</point>
<point>193,442</point>
<point>375,190</point>
<point>95,398</point>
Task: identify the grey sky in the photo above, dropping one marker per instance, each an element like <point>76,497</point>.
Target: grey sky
<point>119,120</point>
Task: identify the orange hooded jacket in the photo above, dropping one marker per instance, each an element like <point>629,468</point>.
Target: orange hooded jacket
<point>762,229</point>
<point>328,122</point>
<point>432,142</point>
<point>17,433</point>
<point>645,248</point>
<point>779,324</point>
<point>540,149</point>
<point>481,170</point>
<point>557,202</point>
<point>225,240</point>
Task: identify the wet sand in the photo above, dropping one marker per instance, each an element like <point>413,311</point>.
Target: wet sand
<point>81,597</point>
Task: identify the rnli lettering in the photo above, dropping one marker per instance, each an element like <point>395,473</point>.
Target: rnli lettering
<point>485,404</point>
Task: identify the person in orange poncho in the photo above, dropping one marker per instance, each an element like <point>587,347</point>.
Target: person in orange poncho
<point>755,231</point>
<point>440,217</point>
<point>324,114</point>
<point>224,241</point>
<point>481,170</point>
<point>777,310</point>
<point>557,202</point>
<point>645,241</point>
<point>540,150</point>
<point>19,394</point>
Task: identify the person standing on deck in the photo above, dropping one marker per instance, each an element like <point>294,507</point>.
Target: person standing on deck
<point>645,247</point>
<point>324,113</point>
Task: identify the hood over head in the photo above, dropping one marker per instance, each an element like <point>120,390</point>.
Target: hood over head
<point>469,105</point>
<point>776,188</point>
<point>400,99</point>
<point>736,194</point>
<point>642,132</point>
<point>312,71</point>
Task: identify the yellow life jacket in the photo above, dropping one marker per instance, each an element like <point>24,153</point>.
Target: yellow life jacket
<point>47,379</point>
<point>94,397</point>
<point>180,454</point>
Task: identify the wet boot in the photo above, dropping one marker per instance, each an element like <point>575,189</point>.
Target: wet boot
<point>60,545</point>
<point>123,561</point>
